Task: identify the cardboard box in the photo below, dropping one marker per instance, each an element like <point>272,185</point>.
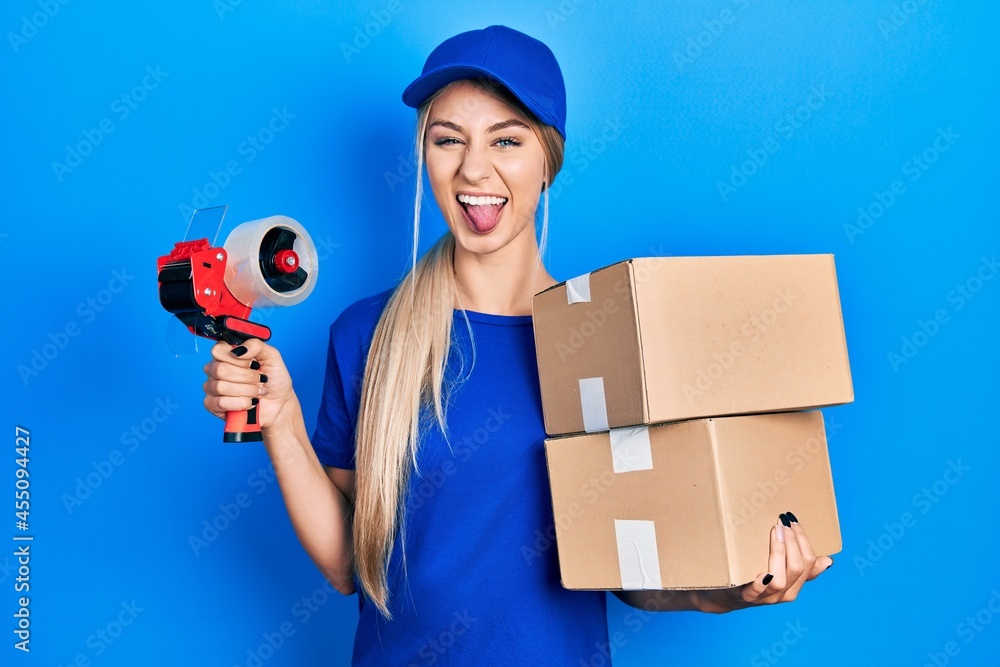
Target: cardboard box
<point>688,504</point>
<point>671,338</point>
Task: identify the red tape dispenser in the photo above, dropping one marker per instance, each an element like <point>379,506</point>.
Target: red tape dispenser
<point>263,263</point>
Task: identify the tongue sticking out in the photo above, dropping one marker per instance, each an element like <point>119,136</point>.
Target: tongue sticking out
<point>483,218</point>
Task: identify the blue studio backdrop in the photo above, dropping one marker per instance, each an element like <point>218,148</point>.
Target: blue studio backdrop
<point>866,130</point>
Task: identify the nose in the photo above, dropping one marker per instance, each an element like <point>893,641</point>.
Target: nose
<point>476,165</point>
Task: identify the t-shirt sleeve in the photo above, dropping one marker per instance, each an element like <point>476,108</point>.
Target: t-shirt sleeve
<point>333,438</point>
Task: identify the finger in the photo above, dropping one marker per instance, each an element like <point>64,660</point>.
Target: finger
<point>805,546</point>
<point>237,355</point>
<point>776,562</point>
<point>821,565</point>
<point>794,565</point>
<point>758,589</point>
<point>236,403</point>
<point>769,586</point>
<point>814,565</point>
<point>220,405</point>
<point>222,388</point>
<point>251,349</point>
<point>808,555</point>
<point>216,370</point>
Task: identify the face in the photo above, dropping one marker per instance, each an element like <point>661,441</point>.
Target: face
<point>486,167</point>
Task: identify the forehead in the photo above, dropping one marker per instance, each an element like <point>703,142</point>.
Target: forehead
<point>463,100</point>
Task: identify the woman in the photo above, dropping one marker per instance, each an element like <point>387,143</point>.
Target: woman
<point>424,486</point>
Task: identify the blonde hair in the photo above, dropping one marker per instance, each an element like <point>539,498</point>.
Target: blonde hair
<point>404,379</point>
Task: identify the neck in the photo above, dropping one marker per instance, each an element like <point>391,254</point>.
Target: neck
<point>502,282</point>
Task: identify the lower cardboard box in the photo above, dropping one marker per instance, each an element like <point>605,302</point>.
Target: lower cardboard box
<point>688,504</point>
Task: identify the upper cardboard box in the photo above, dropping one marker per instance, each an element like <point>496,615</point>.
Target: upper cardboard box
<point>660,339</point>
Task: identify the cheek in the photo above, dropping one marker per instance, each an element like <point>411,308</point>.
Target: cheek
<point>524,181</point>
<point>439,170</point>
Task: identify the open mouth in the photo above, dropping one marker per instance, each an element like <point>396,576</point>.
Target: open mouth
<point>482,214</point>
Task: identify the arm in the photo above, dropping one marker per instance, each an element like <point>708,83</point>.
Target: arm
<point>658,600</point>
<point>792,562</point>
<point>318,501</point>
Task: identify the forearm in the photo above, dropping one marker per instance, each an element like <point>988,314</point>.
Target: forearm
<point>715,601</point>
<point>658,600</point>
<point>317,508</point>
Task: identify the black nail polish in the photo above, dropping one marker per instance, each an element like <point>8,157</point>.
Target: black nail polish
<point>263,378</point>
<point>254,365</point>
<point>791,517</point>
<point>767,578</point>
<point>254,401</point>
<point>240,350</point>
<point>784,521</point>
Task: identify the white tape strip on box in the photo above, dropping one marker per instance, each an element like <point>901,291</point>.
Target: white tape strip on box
<point>638,560</point>
<point>630,449</point>
<point>578,289</point>
<point>593,405</point>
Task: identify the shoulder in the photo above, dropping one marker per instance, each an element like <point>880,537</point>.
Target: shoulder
<point>358,320</point>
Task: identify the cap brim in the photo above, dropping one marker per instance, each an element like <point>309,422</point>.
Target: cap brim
<point>430,82</point>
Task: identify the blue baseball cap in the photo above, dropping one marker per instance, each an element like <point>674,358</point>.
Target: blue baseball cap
<point>522,64</point>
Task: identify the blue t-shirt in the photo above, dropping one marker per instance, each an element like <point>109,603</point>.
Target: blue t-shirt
<point>482,583</point>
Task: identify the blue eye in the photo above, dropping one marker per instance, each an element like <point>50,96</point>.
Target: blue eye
<point>507,142</point>
<point>443,141</point>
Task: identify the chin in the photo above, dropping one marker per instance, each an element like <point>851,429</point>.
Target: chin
<point>481,244</point>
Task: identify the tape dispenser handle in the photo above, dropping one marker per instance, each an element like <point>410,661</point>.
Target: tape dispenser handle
<point>242,425</point>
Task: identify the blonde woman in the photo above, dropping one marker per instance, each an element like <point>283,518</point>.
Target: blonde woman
<point>424,487</point>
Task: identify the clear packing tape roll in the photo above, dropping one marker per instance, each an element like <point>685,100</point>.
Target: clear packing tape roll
<point>247,274</point>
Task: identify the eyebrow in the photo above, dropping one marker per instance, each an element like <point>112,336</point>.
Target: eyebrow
<point>512,122</point>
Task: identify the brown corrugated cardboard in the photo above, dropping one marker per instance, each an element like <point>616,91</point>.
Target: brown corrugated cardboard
<point>662,339</point>
<point>704,492</point>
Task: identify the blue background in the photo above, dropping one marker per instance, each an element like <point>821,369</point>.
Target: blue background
<point>665,101</point>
